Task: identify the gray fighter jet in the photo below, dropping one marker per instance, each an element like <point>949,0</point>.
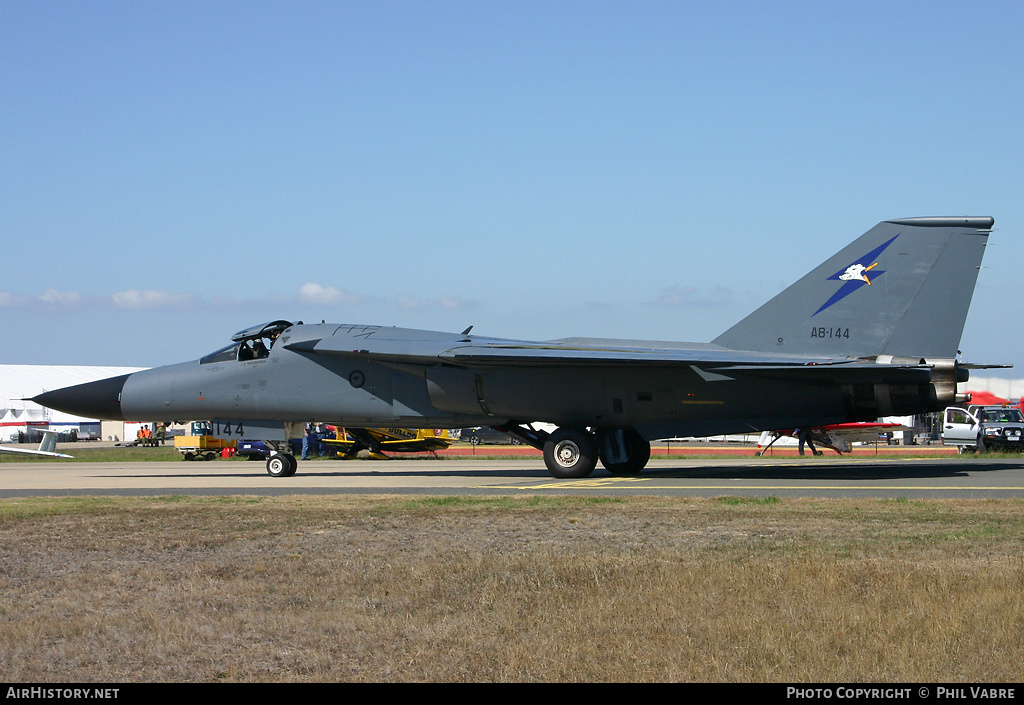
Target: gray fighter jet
<point>873,331</point>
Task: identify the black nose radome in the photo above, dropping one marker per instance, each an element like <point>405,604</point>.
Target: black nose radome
<point>93,400</point>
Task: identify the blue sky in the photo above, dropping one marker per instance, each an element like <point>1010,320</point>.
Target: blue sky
<point>173,172</point>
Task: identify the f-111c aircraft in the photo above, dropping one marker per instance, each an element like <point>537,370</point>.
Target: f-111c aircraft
<point>873,331</point>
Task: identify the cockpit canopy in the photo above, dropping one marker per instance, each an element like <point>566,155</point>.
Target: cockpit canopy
<point>264,330</point>
<point>253,343</point>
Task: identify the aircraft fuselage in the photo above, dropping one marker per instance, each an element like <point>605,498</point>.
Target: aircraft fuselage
<point>293,383</point>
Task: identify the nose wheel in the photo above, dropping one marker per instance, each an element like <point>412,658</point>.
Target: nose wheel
<point>281,465</point>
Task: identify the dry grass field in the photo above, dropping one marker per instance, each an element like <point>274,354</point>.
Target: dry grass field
<point>553,589</point>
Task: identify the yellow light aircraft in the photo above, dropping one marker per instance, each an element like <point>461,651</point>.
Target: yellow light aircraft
<point>350,441</point>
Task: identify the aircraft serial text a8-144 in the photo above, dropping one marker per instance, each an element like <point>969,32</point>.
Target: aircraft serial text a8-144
<point>873,331</point>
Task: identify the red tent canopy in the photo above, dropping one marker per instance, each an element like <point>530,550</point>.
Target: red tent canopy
<point>987,398</point>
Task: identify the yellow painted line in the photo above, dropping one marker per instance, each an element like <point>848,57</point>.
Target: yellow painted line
<point>600,482</point>
<point>583,484</point>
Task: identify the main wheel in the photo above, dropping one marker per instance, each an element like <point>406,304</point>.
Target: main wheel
<point>638,452</point>
<point>570,453</point>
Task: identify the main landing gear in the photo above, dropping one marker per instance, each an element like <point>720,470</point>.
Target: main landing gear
<point>571,452</point>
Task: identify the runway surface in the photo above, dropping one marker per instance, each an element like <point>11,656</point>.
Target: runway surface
<point>850,476</point>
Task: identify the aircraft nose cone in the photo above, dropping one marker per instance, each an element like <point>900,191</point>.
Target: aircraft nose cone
<point>93,400</point>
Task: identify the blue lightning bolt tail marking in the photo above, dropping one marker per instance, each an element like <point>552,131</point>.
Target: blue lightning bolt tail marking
<point>849,287</point>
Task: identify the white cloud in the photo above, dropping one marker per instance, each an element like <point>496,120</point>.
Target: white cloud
<point>311,292</point>
<point>449,303</point>
<point>60,298</point>
<point>51,298</point>
<point>147,298</point>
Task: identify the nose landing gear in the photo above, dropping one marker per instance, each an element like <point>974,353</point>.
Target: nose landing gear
<point>281,465</point>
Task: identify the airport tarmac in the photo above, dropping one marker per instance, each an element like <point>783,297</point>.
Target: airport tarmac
<point>847,476</point>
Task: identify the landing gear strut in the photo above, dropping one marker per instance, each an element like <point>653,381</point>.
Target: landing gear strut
<point>623,451</point>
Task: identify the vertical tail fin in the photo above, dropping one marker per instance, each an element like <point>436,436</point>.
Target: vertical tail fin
<point>49,442</point>
<point>903,289</point>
